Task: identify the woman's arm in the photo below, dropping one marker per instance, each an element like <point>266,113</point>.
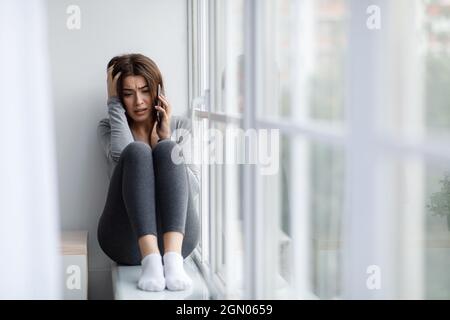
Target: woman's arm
<point>116,134</point>
<point>120,134</point>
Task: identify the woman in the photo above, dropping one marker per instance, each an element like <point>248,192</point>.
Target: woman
<point>149,207</point>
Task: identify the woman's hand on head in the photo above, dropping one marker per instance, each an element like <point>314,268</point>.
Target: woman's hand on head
<point>165,112</point>
<point>112,83</point>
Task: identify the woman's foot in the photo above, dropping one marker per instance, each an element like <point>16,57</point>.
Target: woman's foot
<point>176,277</point>
<point>152,274</point>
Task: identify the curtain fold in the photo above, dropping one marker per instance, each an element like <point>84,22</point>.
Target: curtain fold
<point>30,265</point>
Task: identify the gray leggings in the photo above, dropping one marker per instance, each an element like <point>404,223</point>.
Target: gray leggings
<point>148,194</point>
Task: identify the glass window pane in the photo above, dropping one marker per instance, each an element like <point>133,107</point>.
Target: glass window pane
<point>327,79</point>
<point>310,179</point>
<point>436,28</point>
<point>225,190</point>
<point>327,203</point>
<point>232,233</point>
<point>437,232</point>
<point>229,55</point>
<point>414,198</point>
<point>416,71</point>
<point>310,50</point>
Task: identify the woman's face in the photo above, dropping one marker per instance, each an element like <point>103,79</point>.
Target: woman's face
<point>136,97</point>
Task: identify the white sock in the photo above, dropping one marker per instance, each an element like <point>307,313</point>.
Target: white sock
<point>176,277</point>
<point>152,274</point>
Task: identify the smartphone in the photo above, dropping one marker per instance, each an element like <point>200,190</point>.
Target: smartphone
<point>158,103</point>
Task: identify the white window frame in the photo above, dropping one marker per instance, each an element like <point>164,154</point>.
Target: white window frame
<point>364,243</point>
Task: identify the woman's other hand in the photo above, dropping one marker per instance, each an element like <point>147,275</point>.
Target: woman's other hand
<point>165,112</point>
<point>112,83</point>
<point>154,138</point>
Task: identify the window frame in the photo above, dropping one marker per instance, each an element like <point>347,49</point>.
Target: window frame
<point>361,157</point>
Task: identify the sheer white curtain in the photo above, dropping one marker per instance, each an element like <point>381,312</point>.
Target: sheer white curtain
<point>29,259</point>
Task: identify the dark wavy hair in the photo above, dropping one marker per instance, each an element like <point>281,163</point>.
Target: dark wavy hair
<point>136,64</point>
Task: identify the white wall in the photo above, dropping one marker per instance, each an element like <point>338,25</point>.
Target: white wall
<point>156,28</point>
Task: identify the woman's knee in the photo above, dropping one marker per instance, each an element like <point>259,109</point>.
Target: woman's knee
<point>137,150</point>
<point>164,146</point>
<point>168,150</point>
